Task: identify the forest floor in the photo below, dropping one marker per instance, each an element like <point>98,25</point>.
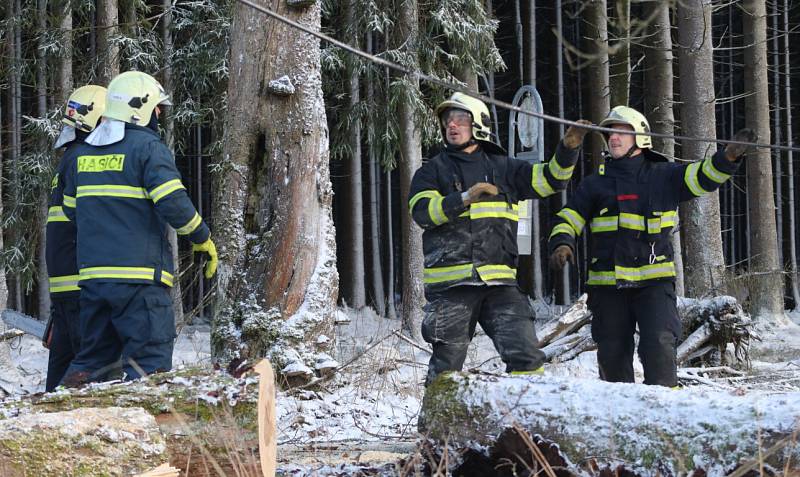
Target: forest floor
<point>366,417</point>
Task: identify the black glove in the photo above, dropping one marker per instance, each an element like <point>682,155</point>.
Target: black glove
<point>734,151</point>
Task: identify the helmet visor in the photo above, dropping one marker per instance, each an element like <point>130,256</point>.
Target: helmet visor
<point>457,116</point>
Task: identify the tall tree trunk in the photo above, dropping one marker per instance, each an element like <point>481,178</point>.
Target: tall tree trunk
<point>704,265</point>
<point>13,10</point>
<point>597,71</point>
<point>107,30</point>
<point>64,75</point>
<point>776,126</point>
<point>272,213</point>
<point>410,160</point>
<point>169,138</point>
<point>391,311</point>
<point>355,249</point>
<point>766,280</point>
<point>563,290</point>
<point>659,91</point>
<point>374,172</point>
<point>3,283</point>
<point>787,92</point>
<point>43,289</point>
<point>620,59</point>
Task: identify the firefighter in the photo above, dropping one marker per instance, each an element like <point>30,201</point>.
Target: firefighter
<point>81,115</point>
<point>123,192</point>
<point>630,208</point>
<point>465,199</point>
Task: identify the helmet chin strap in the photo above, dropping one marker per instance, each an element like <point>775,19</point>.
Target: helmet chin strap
<point>454,148</point>
<point>626,155</point>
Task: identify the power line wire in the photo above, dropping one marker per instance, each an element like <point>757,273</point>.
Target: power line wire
<point>418,75</point>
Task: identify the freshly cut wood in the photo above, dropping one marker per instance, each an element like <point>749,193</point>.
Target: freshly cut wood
<point>694,342</point>
<point>651,429</point>
<point>267,438</point>
<point>558,349</point>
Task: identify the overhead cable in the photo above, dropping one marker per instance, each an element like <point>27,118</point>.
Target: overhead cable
<point>418,75</point>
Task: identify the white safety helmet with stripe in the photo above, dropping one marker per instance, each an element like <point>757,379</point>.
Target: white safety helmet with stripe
<point>481,121</point>
<point>82,112</point>
<point>133,96</point>
<point>632,118</point>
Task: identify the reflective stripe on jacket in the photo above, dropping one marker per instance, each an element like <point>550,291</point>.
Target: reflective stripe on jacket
<point>478,244</point>
<point>60,233</point>
<point>123,196</point>
<point>630,209</point>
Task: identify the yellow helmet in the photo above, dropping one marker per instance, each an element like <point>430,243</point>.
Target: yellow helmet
<point>632,118</point>
<point>481,121</point>
<point>84,107</point>
<point>133,96</point>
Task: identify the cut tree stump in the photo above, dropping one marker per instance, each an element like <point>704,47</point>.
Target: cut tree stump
<point>650,429</point>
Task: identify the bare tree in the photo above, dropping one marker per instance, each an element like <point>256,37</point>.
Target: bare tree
<point>44,148</point>
<point>597,71</point>
<point>704,265</point>
<point>354,250</point>
<point>766,281</point>
<point>3,284</point>
<point>787,92</point>
<point>659,78</point>
<point>272,210</point>
<point>64,70</point>
<point>374,174</point>
<point>620,58</point>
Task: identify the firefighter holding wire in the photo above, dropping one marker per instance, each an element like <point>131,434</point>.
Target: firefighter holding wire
<point>465,199</point>
<point>630,208</point>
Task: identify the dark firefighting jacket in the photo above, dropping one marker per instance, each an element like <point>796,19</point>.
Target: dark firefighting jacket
<point>630,208</point>
<point>122,196</point>
<point>477,244</point>
<point>60,252</point>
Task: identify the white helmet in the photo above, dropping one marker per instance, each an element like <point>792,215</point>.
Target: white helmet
<point>84,107</point>
<point>133,96</point>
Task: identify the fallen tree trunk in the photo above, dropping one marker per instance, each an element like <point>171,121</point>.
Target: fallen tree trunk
<point>89,441</point>
<point>208,418</point>
<point>651,429</point>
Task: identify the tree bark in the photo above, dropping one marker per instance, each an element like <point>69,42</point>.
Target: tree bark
<point>107,30</point>
<point>766,281</point>
<point>704,265</point>
<point>64,75</point>
<point>659,78</point>
<point>3,283</point>
<point>597,72</point>
<point>410,160</point>
<point>43,144</point>
<point>277,282</point>
<point>355,249</point>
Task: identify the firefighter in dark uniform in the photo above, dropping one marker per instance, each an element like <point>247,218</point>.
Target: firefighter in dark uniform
<point>465,199</point>
<point>82,113</point>
<point>123,192</point>
<point>630,209</point>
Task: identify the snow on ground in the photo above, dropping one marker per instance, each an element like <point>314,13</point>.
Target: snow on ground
<point>368,412</point>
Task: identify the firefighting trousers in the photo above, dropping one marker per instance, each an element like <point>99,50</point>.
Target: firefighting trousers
<point>505,315</point>
<point>65,339</point>
<point>616,314</point>
<point>134,324</point>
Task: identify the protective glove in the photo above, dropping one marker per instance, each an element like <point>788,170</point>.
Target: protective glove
<point>476,191</point>
<point>209,248</point>
<point>573,138</point>
<point>734,151</point>
<point>560,255</point>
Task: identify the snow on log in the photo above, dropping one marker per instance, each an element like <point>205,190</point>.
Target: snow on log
<point>120,441</point>
<point>573,319</point>
<point>649,429</point>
